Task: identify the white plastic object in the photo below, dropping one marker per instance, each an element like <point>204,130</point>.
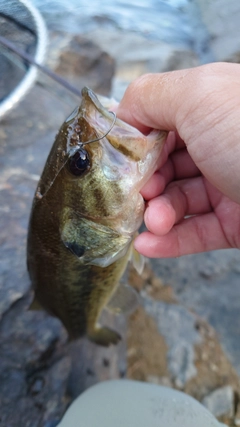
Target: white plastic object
<point>125,403</point>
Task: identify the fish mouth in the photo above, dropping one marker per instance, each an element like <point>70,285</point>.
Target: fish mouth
<point>91,101</point>
<point>123,137</point>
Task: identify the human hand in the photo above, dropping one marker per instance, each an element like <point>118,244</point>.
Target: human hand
<point>194,197</point>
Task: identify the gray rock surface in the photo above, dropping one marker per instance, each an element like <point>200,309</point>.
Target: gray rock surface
<point>209,284</point>
<point>178,327</point>
<point>135,55</point>
<point>85,63</point>
<point>222,22</point>
<point>220,402</point>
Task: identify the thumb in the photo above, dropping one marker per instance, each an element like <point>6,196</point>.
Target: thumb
<point>202,105</point>
<point>153,100</point>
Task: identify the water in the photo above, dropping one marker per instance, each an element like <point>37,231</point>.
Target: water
<point>177,22</point>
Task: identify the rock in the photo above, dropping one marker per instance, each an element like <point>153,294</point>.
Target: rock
<point>181,340</point>
<point>35,335</point>
<point>221,402</point>
<point>146,349</point>
<point>235,57</point>
<point>180,60</point>
<point>21,411</point>
<point>54,394</point>
<point>160,327</point>
<point>84,63</point>
<point>165,381</point>
<point>135,55</point>
<point>224,40</point>
<point>208,283</point>
<point>97,363</point>
<point>31,380</point>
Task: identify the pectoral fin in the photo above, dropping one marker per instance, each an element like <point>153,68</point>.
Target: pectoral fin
<point>137,259</point>
<point>94,243</point>
<point>75,248</point>
<point>124,300</point>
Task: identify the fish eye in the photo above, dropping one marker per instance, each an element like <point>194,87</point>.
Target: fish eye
<point>79,162</point>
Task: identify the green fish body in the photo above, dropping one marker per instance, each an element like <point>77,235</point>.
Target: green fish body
<point>86,211</point>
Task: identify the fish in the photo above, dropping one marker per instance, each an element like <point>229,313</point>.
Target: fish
<point>85,214</point>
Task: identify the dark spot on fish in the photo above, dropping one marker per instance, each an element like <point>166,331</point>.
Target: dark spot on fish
<point>123,149</point>
<point>99,198</point>
<point>75,248</point>
<point>128,153</point>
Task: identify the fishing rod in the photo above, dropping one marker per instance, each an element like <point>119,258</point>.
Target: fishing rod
<point>8,44</point>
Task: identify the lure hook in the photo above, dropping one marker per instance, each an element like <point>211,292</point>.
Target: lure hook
<point>103,136</point>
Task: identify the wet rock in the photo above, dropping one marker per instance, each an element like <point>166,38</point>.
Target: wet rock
<point>54,395</point>
<point>42,403</point>
<point>146,349</point>
<point>224,39</point>
<point>180,60</point>
<point>208,283</point>
<point>153,332</point>
<point>12,381</point>
<point>84,63</point>
<point>181,340</point>
<point>34,334</point>
<point>31,381</point>
<point>235,57</point>
<point>164,381</point>
<point>221,402</point>
<point>98,363</point>
<point>20,412</point>
<point>135,55</point>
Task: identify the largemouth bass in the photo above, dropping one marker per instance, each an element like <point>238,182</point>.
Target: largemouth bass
<point>86,210</point>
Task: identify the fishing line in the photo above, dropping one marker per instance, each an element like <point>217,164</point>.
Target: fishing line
<point>101,137</point>
<point>73,151</point>
<point>8,44</point>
